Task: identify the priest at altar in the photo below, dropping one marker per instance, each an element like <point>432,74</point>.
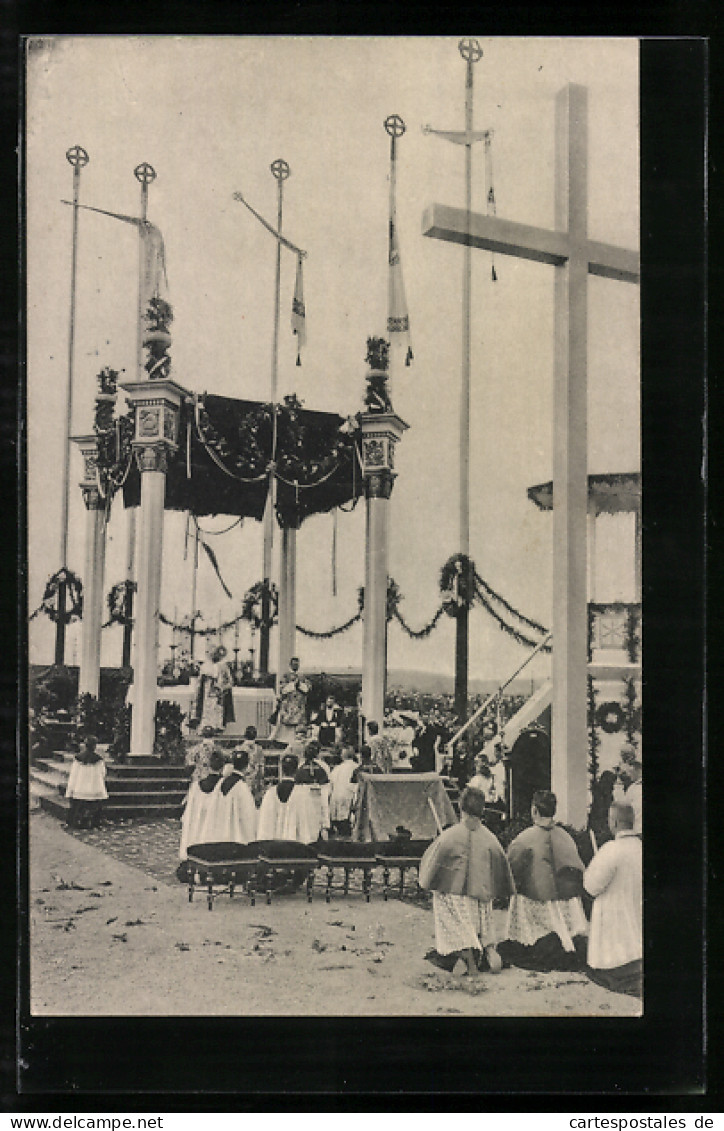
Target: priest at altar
<point>292,702</point>
<point>214,702</point>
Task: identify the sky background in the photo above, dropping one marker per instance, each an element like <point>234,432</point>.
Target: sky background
<point>211,114</point>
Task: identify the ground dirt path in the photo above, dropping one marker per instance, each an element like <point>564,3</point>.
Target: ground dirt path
<point>109,939</point>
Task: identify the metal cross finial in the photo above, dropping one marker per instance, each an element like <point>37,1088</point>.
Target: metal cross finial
<point>395,125</point>
<point>145,173</point>
<point>77,156</point>
<point>280,169</point>
<point>470,50</point>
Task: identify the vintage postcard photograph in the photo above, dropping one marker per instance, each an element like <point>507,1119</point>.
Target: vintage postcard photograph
<point>333,527</point>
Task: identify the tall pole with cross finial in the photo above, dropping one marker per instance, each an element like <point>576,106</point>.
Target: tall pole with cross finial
<point>145,174</point>
<point>280,171</point>
<point>471,52</point>
<point>78,158</point>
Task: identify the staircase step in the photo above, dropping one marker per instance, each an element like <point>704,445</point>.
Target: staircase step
<point>59,806</point>
<point>120,786</point>
<point>134,772</point>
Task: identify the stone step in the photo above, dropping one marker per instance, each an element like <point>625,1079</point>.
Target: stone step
<point>120,785</point>
<point>59,806</point>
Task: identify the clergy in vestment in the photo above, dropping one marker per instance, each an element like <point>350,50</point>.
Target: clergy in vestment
<point>546,925</point>
<point>232,814</point>
<point>195,827</point>
<point>380,747</point>
<point>614,879</point>
<point>274,808</point>
<point>465,868</point>
<point>291,702</point>
<point>308,819</point>
<point>328,723</point>
<point>214,699</point>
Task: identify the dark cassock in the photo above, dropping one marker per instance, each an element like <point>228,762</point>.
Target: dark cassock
<point>328,722</point>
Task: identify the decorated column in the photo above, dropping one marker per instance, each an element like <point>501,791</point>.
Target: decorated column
<point>95,554</point>
<point>381,429</point>
<point>156,405</point>
<point>287,599</point>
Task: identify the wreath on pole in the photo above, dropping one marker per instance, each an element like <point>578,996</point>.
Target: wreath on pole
<point>457,584</point>
<point>253,605</point>
<point>610,717</point>
<point>73,592</point>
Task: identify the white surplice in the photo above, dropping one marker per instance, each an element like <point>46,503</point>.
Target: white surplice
<point>614,878</point>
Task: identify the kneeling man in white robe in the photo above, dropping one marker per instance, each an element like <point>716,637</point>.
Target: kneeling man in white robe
<point>308,817</point>
<point>232,815</point>
<point>614,879</point>
<point>274,809</point>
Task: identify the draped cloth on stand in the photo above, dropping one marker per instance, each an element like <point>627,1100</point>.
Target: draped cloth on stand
<point>387,801</point>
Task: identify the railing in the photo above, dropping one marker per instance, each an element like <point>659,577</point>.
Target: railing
<point>499,691</point>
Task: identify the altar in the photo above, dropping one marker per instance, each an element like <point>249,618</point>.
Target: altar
<point>252,706</point>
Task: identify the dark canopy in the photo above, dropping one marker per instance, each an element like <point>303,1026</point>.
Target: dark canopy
<point>227,444</point>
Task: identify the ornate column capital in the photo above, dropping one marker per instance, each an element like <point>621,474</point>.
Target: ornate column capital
<point>157,410</point>
<point>151,456</point>
<point>88,445</point>
<point>378,484</point>
<point>381,431</point>
<point>92,497</point>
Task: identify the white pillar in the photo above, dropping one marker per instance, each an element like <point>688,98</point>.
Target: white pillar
<point>569,755</point>
<point>95,554</point>
<point>287,599</point>
<point>375,607</point>
<point>156,404</point>
<point>380,434</point>
<point>149,547</point>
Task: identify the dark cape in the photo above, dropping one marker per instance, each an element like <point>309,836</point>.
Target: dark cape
<point>469,862</point>
<point>545,864</point>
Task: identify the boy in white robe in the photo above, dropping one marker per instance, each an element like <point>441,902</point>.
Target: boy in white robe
<point>232,814</point>
<point>308,814</point>
<point>274,809</point>
<point>342,792</point>
<point>195,827</point>
<point>614,879</point>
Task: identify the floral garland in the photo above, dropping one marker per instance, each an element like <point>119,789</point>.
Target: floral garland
<point>119,603</point>
<point>73,591</point>
<point>113,436</point>
<point>632,639</point>
<point>593,740</point>
<point>394,596</point>
<point>610,717</point>
<point>275,439</point>
<point>490,592</point>
<point>157,338</point>
<point>632,711</point>
<point>422,633</point>
<point>185,625</point>
<point>332,631</point>
<point>253,606</point>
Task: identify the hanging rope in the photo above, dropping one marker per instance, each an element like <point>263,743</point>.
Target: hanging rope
<point>212,533</point>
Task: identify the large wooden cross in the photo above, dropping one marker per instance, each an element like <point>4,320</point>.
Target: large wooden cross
<point>574,256</point>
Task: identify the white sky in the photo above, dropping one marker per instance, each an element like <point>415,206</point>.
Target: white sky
<point>211,114</point>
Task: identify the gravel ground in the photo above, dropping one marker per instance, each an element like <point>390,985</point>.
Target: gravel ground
<point>113,934</point>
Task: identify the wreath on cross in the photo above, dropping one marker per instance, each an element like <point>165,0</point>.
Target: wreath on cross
<point>457,584</point>
<point>73,592</point>
<point>253,605</point>
<point>118,602</point>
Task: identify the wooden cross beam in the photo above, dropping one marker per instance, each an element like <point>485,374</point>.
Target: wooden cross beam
<point>575,257</point>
